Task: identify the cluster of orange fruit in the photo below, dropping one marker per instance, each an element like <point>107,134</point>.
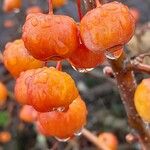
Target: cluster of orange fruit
<point>52,93</point>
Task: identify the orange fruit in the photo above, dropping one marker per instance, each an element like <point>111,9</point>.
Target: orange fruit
<point>84,58</point>
<point>142,99</point>
<point>11,5</point>
<point>108,26</point>
<point>5,136</point>
<point>3,93</point>
<point>64,124</point>
<point>50,37</point>
<point>58,3</point>
<point>45,89</point>
<point>17,59</point>
<point>108,139</point>
<point>28,114</point>
<point>135,13</point>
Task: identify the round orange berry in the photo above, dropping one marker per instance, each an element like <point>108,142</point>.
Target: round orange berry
<point>50,37</point>
<point>11,5</point>
<point>108,139</point>
<point>135,13</point>
<point>5,136</point>
<point>58,3</point>
<point>3,93</point>
<point>142,99</point>
<point>64,124</point>
<point>17,59</point>
<point>107,26</point>
<point>84,58</point>
<point>28,114</point>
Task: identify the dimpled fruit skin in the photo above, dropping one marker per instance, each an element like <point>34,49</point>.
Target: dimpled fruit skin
<point>142,99</point>
<point>64,124</point>
<point>107,26</point>
<point>50,37</point>
<point>84,58</point>
<point>21,86</point>
<point>10,5</point>
<point>28,114</point>
<point>109,140</point>
<point>3,92</point>
<point>17,58</point>
<point>46,88</point>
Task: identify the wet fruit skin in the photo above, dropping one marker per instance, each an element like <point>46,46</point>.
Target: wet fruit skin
<point>50,37</point>
<point>142,99</point>
<point>28,114</point>
<point>109,140</point>
<point>46,88</point>
<point>3,93</point>
<point>10,5</point>
<point>107,26</point>
<point>17,58</point>
<point>64,124</point>
<point>84,58</point>
<point>5,136</point>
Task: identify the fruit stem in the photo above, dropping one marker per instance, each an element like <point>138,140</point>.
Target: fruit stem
<point>50,7</point>
<point>127,85</point>
<point>79,9</point>
<point>93,139</point>
<point>59,66</point>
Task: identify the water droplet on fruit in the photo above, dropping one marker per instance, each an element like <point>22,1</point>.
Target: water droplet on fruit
<point>59,109</point>
<point>82,70</point>
<point>78,133</point>
<point>16,10</point>
<point>62,140</point>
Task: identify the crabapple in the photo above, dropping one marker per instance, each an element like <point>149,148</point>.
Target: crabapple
<point>107,27</point>
<point>64,124</point>
<point>17,59</point>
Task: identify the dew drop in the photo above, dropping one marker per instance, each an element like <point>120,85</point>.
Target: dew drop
<point>82,70</point>
<point>78,133</point>
<point>62,140</point>
<point>16,10</point>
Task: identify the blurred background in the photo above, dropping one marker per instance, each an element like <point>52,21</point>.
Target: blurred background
<point>106,112</point>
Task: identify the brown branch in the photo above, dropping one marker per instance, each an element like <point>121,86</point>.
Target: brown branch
<point>93,139</point>
<point>127,85</point>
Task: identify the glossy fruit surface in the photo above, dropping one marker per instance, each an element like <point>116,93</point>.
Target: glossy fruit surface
<point>84,58</point>
<point>50,37</point>
<point>11,5</point>
<point>108,139</point>
<point>3,93</point>
<point>108,26</point>
<point>64,124</point>
<point>17,59</point>
<point>142,99</point>
<point>46,88</point>
<point>28,114</point>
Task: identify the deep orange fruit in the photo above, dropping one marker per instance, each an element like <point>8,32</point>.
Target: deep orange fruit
<point>17,59</point>
<point>108,139</point>
<point>5,136</point>
<point>64,124</point>
<point>45,89</point>
<point>28,114</point>
<point>33,9</point>
<point>84,58</point>
<point>58,3</point>
<point>50,37</point>
<point>3,93</point>
<point>11,5</point>
<point>142,99</point>
<point>108,26</point>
